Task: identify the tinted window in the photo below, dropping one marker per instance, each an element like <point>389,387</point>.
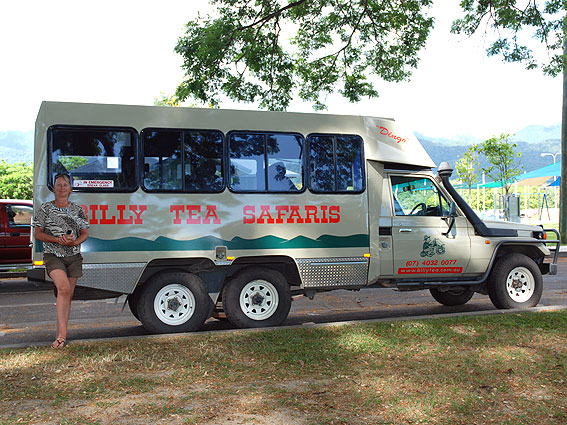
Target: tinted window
<point>97,158</point>
<point>183,160</point>
<point>247,161</point>
<point>335,163</point>
<point>19,215</point>
<point>162,160</point>
<point>271,162</point>
<point>417,196</point>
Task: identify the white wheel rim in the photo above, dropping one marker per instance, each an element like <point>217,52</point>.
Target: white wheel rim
<point>520,284</point>
<point>259,299</point>
<point>174,304</point>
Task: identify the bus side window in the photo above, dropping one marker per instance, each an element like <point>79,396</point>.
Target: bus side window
<point>203,161</point>
<point>336,163</point>
<point>249,172</point>
<point>97,158</point>
<point>177,160</point>
<point>162,159</point>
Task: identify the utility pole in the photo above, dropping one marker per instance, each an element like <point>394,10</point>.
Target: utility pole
<point>563,183</point>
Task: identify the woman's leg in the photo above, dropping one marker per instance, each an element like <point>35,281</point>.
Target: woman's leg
<point>65,288</point>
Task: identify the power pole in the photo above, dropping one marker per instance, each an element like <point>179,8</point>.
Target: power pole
<point>563,183</point>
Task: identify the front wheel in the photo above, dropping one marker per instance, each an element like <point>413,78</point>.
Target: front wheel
<point>257,298</point>
<point>452,296</point>
<point>174,302</point>
<point>515,282</point>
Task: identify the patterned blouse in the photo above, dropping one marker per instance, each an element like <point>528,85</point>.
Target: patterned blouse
<point>57,221</point>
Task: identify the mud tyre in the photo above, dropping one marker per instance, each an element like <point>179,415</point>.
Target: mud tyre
<point>133,300</point>
<point>174,302</point>
<point>453,296</point>
<point>515,282</point>
<point>257,298</point>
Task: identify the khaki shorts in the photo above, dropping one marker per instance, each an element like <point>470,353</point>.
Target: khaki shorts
<point>72,265</point>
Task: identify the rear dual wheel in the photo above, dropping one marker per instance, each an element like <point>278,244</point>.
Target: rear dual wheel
<point>173,302</point>
<point>257,298</point>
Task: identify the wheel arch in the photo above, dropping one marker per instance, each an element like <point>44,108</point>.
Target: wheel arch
<point>215,277</point>
<point>280,263</point>
<point>529,250</point>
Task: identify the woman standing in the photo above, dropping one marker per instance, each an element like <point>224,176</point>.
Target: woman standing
<point>62,227</point>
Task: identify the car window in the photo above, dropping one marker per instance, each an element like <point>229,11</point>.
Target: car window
<point>417,196</point>
<point>19,215</point>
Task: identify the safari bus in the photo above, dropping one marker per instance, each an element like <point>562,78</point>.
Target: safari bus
<point>195,213</point>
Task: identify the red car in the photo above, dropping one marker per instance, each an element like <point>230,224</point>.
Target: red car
<point>15,219</point>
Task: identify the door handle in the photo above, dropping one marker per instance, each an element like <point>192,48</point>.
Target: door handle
<point>406,230</point>
<point>15,234</point>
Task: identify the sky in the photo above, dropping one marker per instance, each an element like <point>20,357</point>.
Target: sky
<point>122,51</point>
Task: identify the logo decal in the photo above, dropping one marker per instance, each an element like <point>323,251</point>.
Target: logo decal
<point>432,247</point>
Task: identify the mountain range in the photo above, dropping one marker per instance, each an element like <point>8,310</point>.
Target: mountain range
<point>532,140</point>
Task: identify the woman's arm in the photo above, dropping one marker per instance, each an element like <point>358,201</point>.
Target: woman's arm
<point>40,235</point>
<point>82,237</point>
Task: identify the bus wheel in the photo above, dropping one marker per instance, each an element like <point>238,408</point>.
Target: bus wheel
<point>452,296</point>
<point>133,300</point>
<point>515,282</point>
<point>174,302</point>
<point>257,298</point>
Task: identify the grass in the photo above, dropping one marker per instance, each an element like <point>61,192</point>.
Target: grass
<point>509,369</point>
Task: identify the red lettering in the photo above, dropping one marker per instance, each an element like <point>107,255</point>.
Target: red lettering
<point>193,210</point>
<point>334,214</point>
<point>249,216</point>
<point>324,210</point>
<point>265,213</point>
<point>211,212</point>
<point>311,211</point>
<point>385,132</point>
<point>280,209</point>
<point>178,209</point>
<point>93,219</point>
<point>294,213</point>
<point>104,220</point>
<point>134,209</point>
<point>121,219</point>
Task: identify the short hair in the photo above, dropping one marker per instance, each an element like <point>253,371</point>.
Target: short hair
<point>65,176</point>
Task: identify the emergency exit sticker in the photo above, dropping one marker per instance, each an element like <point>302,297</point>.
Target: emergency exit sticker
<point>93,183</point>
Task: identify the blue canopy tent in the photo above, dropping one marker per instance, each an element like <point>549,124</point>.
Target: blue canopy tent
<point>533,178</point>
<point>541,175</point>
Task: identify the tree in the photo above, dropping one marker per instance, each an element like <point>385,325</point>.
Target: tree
<point>547,19</point>
<point>16,180</point>
<point>468,167</point>
<point>165,100</point>
<point>502,159</point>
<point>508,19</point>
<point>243,51</point>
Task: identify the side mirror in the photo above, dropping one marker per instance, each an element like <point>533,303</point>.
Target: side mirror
<point>450,219</point>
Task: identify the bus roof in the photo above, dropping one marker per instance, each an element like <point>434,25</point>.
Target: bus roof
<point>384,139</point>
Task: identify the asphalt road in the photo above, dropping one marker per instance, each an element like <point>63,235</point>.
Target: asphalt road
<point>27,315</point>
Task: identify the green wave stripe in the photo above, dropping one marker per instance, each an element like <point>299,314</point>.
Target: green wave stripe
<point>210,243</point>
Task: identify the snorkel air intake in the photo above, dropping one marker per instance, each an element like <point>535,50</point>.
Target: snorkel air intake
<point>445,171</point>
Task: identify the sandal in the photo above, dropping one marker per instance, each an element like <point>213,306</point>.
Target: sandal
<point>58,343</point>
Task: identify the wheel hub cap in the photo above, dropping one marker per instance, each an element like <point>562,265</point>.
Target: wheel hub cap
<point>259,299</point>
<point>520,284</point>
<point>173,304</point>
